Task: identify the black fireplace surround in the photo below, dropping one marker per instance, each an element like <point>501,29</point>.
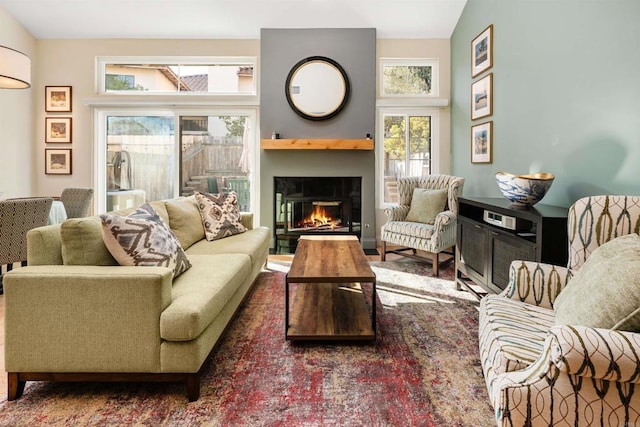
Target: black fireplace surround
<point>315,205</point>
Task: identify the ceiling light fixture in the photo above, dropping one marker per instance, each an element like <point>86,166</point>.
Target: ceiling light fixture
<point>15,69</point>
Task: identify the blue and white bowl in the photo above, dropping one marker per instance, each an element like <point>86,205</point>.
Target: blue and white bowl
<point>524,190</point>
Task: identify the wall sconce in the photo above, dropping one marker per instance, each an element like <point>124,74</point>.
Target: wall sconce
<point>15,69</point>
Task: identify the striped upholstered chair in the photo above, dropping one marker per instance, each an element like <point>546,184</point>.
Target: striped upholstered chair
<point>434,238</point>
<point>540,372</point>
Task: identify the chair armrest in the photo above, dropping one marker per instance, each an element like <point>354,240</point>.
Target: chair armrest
<point>596,353</point>
<point>536,283</point>
<point>66,318</point>
<point>396,213</point>
<point>444,219</point>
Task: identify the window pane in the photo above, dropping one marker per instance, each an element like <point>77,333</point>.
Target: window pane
<point>216,156</point>
<point>406,79</point>
<point>419,158</point>
<point>176,78</point>
<point>407,151</point>
<point>141,162</point>
<point>394,155</point>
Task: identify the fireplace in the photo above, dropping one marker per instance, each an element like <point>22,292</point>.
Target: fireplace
<point>315,205</point>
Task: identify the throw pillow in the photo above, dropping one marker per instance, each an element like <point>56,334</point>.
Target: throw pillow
<point>143,239</point>
<point>426,205</point>
<point>82,242</point>
<point>185,220</point>
<point>220,215</point>
<point>605,291</point>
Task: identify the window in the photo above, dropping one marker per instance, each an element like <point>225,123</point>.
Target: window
<point>183,76</point>
<point>406,148</point>
<point>408,77</point>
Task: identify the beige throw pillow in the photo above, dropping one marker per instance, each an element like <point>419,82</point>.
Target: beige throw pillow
<point>220,215</point>
<point>426,205</point>
<point>143,239</point>
<point>185,221</point>
<point>605,291</point>
<point>82,243</point>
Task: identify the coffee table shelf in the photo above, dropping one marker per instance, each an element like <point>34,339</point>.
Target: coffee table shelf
<point>329,302</point>
<point>329,311</point>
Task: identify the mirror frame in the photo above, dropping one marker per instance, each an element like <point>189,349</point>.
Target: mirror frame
<point>298,67</point>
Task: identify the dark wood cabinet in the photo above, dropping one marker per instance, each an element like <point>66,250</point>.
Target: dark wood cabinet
<point>485,250</point>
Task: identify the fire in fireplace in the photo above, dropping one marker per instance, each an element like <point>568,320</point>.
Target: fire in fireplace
<point>311,205</point>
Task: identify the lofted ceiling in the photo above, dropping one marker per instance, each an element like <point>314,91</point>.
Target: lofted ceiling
<point>230,19</point>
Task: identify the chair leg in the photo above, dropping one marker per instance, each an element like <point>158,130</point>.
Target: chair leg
<point>383,255</point>
<point>436,265</point>
<point>15,387</point>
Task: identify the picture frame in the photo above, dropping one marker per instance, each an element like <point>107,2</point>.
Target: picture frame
<point>482,52</point>
<point>57,99</point>
<point>482,143</point>
<point>482,97</point>
<point>58,130</point>
<point>57,161</point>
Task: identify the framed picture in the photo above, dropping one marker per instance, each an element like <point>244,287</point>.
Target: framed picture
<point>57,99</point>
<point>481,143</point>
<point>57,162</point>
<point>482,52</point>
<point>57,129</point>
<point>482,97</point>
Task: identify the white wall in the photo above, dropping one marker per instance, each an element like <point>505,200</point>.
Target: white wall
<point>16,119</point>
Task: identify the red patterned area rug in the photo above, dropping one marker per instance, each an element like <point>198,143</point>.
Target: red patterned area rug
<point>422,371</point>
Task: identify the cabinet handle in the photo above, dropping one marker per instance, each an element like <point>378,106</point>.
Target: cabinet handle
<point>495,234</point>
<point>477,226</point>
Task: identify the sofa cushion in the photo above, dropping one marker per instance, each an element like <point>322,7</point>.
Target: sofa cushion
<point>512,334</point>
<point>220,215</point>
<point>252,243</point>
<point>199,294</point>
<point>143,239</point>
<point>185,220</point>
<point>82,242</point>
<point>426,205</point>
<point>605,291</point>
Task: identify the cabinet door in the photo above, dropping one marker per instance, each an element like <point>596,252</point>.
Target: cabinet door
<point>473,248</point>
<point>504,249</point>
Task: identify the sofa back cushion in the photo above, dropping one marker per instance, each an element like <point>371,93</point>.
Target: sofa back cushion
<point>605,292</point>
<point>82,242</point>
<point>185,221</point>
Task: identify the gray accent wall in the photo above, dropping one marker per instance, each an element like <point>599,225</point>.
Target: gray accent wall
<point>566,95</point>
<point>355,51</point>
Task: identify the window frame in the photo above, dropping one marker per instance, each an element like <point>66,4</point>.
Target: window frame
<point>435,143</point>
<point>103,61</point>
<point>434,63</point>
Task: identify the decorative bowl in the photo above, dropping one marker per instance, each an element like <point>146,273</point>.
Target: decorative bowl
<point>524,190</point>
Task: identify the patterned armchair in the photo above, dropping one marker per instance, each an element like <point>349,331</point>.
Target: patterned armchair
<point>17,216</point>
<point>542,374</point>
<point>76,201</point>
<point>433,238</point>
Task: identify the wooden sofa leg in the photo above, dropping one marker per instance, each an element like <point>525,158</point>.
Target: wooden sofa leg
<point>383,255</point>
<point>15,387</point>
<point>193,387</point>
<point>436,265</point>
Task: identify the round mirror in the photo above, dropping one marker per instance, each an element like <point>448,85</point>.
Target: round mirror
<point>317,88</point>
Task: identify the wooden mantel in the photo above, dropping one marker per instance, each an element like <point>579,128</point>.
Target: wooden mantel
<point>316,144</point>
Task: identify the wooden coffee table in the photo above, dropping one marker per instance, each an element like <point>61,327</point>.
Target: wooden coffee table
<point>329,302</point>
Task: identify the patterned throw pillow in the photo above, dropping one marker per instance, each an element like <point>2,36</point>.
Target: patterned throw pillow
<point>143,239</point>
<point>220,215</point>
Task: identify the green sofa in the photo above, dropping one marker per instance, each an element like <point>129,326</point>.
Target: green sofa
<point>75,315</point>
